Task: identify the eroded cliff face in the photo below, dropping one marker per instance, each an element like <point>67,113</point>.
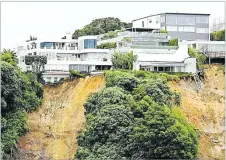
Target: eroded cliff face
<point>54,127</point>
<point>205,109</point>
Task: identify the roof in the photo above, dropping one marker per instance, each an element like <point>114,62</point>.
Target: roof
<point>172,13</point>
<point>179,56</point>
<point>139,29</point>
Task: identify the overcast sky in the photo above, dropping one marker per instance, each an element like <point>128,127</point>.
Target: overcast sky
<point>19,20</point>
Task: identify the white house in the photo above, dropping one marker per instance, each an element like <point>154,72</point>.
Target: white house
<point>65,54</point>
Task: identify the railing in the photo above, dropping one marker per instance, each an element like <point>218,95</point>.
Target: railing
<point>138,34</point>
<point>153,47</point>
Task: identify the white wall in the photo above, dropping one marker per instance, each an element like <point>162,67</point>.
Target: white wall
<point>138,23</point>
<point>190,65</point>
<point>154,24</point>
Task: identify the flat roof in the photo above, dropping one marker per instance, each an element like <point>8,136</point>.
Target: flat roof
<point>140,29</point>
<point>172,13</point>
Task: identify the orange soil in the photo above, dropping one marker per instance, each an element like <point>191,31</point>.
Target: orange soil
<point>54,127</point>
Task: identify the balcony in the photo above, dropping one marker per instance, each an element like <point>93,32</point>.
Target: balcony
<point>153,47</point>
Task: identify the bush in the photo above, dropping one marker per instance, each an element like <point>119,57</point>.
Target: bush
<point>173,42</point>
<point>140,74</point>
<point>76,74</point>
<point>125,81</point>
<point>163,31</point>
<point>107,45</point>
<point>14,128</point>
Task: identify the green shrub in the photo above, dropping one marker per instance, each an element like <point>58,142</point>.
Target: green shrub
<point>14,128</point>
<point>173,42</point>
<point>163,31</point>
<point>107,45</point>
<point>76,74</point>
<point>140,74</point>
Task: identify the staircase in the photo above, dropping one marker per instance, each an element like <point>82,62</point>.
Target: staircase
<point>197,81</point>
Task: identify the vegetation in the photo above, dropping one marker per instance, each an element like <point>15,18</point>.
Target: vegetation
<point>107,45</point>
<point>101,26</point>
<point>163,31</point>
<point>200,58</point>
<point>20,93</point>
<point>218,35</point>
<point>36,62</point>
<point>9,56</point>
<point>76,74</point>
<point>173,42</point>
<point>123,61</point>
<point>135,117</point>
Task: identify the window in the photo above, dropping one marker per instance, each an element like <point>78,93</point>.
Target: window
<point>171,28</point>
<point>202,30</point>
<point>150,21</point>
<point>167,69</point>
<point>30,54</point>
<point>185,20</point>
<point>171,19</point>
<point>155,69</point>
<point>202,19</point>
<point>186,29</point>
<point>161,69</point>
<point>90,43</point>
<point>142,23</point>
<point>35,53</point>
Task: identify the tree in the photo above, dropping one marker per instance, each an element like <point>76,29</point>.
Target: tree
<point>9,56</point>
<point>123,61</point>
<point>36,62</point>
<point>135,125</point>
<point>20,93</point>
<point>101,26</point>
<point>200,58</point>
<point>161,135</point>
<point>217,35</point>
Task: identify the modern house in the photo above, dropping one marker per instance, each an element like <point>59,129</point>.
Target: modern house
<point>185,26</point>
<point>65,54</point>
<point>153,52</point>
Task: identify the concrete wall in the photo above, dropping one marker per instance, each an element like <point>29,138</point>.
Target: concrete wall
<point>190,65</point>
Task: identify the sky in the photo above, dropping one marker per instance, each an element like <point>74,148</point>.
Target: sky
<point>50,20</point>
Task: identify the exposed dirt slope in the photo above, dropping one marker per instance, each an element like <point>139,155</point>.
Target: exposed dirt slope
<point>206,110</point>
<point>54,127</point>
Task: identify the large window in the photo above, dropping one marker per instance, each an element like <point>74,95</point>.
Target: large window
<point>46,44</point>
<point>142,23</point>
<point>186,29</point>
<point>90,43</point>
<point>185,20</point>
<point>171,28</point>
<point>202,30</point>
<point>171,19</point>
<point>202,19</point>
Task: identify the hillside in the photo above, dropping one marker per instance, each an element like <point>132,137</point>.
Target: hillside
<point>206,110</point>
<point>53,129</point>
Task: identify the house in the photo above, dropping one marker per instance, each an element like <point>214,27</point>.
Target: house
<point>185,26</point>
